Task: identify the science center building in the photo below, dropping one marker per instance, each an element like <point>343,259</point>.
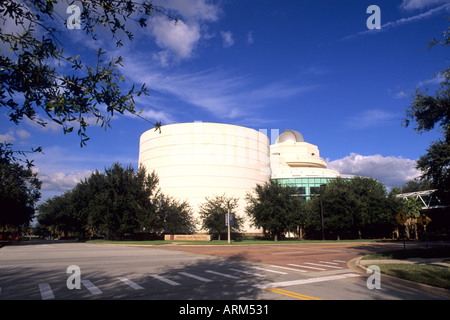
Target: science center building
<point>198,160</point>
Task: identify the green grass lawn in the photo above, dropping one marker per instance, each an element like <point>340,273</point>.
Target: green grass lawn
<point>428,274</point>
<point>443,252</point>
<point>433,275</point>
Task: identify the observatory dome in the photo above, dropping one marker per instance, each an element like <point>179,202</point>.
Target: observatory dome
<point>290,136</point>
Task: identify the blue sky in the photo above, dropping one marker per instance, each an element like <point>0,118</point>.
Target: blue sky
<point>308,65</point>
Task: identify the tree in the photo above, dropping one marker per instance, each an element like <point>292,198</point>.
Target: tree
<point>274,207</point>
<point>213,212</point>
<point>126,200</point>
<point>428,112</point>
<point>36,74</point>
<point>19,191</point>
<point>173,216</point>
<point>352,208</point>
<point>58,213</point>
<point>411,207</point>
<point>114,203</point>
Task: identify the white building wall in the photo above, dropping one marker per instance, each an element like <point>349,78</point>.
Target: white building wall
<point>198,160</point>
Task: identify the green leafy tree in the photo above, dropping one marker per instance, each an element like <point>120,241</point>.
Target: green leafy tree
<point>58,213</point>
<point>114,203</point>
<point>213,211</point>
<point>19,191</point>
<point>126,198</point>
<point>428,112</point>
<point>352,208</point>
<point>411,207</point>
<point>274,207</point>
<point>173,216</point>
<point>37,76</point>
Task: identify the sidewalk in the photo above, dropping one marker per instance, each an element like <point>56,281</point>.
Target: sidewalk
<point>360,266</point>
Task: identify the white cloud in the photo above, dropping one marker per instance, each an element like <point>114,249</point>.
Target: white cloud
<point>250,37</point>
<point>437,79</point>
<point>178,41</point>
<point>10,136</point>
<point>23,134</point>
<point>227,38</point>
<point>175,38</point>
<point>194,9</point>
<point>61,181</point>
<point>419,4</point>
<point>400,95</point>
<point>370,119</point>
<point>221,93</point>
<point>391,171</point>
<point>7,137</point>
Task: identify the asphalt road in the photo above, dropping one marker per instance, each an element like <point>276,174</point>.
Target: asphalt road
<point>38,271</point>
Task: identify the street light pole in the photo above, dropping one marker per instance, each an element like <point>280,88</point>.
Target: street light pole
<point>229,228</point>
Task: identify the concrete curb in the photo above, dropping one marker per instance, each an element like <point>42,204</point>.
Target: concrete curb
<point>360,267</point>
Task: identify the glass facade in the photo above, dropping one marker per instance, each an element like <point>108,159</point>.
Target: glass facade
<point>306,187</point>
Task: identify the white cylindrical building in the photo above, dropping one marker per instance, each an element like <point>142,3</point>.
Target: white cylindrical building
<point>198,160</point>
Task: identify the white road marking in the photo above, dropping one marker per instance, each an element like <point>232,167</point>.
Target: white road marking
<point>269,270</point>
<point>248,272</point>
<point>322,265</point>
<point>91,287</point>
<point>193,276</point>
<point>307,267</point>
<point>168,281</point>
<point>286,268</point>
<point>222,274</point>
<point>328,262</point>
<point>132,284</point>
<point>307,281</point>
<point>46,291</point>
<point>293,252</point>
<point>339,261</point>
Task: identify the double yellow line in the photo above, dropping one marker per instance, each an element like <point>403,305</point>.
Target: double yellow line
<point>291,294</point>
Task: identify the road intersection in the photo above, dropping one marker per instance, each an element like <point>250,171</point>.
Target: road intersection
<point>307,271</point>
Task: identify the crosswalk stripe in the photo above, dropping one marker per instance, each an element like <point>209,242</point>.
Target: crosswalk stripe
<point>322,265</point>
<point>307,267</point>
<point>46,291</point>
<point>287,268</point>
<point>222,274</point>
<point>339,261</point>
<point>91,287</point>
<point>132,284</point>
<point>328,262</point>
<point>247,272</point>
<point>269,270</point>
<point>168,281</point>
<point>193,276</point>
